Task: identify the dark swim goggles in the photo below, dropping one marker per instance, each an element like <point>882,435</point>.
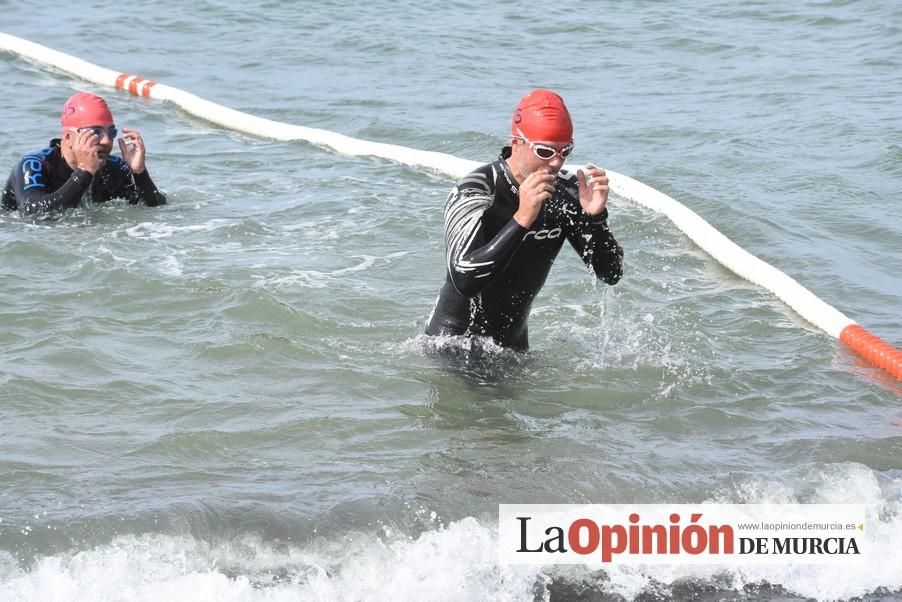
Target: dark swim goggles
<point>543,151</point>
<point>99,131</point>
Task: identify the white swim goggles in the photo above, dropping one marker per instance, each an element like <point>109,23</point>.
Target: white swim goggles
<point>543,151</point>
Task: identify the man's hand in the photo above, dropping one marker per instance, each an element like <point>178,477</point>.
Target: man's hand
<point>535,190</point>
<point>131,145</point>
<point>85,147</point>
<point>593,194</point>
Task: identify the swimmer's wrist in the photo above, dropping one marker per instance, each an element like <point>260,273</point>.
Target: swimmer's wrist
<point>520,218</point>
<point>599,218</point>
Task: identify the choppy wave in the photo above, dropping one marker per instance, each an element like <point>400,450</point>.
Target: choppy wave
<point>458,561</point>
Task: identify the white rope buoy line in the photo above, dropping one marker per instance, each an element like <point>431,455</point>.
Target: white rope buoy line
<point>722,249</point>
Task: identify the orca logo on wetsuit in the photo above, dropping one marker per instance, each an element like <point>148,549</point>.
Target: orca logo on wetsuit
<point>543,234</point>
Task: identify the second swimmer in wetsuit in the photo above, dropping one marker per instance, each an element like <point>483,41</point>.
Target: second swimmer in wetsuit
<point>78,165</point>
<point>506,222</point>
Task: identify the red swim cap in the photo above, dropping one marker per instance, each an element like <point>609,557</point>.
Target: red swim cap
<point>542,115</point>
<point>84,109</point>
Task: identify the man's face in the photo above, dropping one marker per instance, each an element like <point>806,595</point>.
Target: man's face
<point>526,161</point>
<point>105,137</point>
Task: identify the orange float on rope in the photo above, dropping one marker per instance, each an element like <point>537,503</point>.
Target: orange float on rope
<point>873,348</point>
<point>135,85</point>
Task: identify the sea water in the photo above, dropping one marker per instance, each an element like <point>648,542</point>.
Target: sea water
<point>229,397</point>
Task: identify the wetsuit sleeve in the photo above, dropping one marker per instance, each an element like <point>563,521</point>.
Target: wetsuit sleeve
<point>30,188</point>
<point>473,262</point>
<point>138,187</point>
<point>598,248</point>
<point>8,200</point>
<point>147,190</point>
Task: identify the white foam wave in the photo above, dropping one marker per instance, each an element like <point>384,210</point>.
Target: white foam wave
<point>320,279</point>
<point>154,231</point>
<point>366,262</point>
<point>458,561</point>
<point>104,254</point>
<point>837,484</point>
<point>296,279</point>
<point>170,266</point>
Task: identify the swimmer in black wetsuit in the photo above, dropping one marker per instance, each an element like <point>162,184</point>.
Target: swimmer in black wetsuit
<point>506,222</point>
<point>79,165</point>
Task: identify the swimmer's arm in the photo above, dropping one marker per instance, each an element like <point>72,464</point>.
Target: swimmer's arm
<point>472,262</point>
<point>147,190</point>
<point>476,269</point>
<point>32,196</point>
<point>597,246</point>
<point>138,187</point>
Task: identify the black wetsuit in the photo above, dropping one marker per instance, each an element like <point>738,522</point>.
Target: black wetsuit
<point>43,182</point>
<point>495,266</point>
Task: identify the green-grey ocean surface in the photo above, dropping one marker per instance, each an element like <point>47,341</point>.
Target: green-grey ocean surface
<point>229,398</point>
